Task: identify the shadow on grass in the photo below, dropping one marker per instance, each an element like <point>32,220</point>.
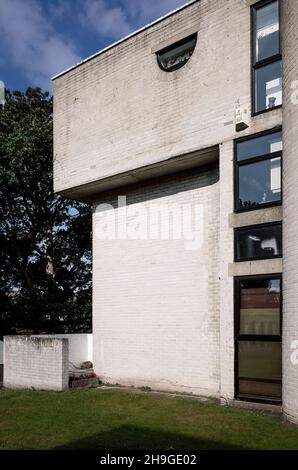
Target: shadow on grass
<point>136,438</point>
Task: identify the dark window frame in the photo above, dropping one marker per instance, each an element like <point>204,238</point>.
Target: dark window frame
<point>255,65</point>
<point>172,46</point>
<point>241,337</point>
<point>247,161</point>
<point>248,227</point>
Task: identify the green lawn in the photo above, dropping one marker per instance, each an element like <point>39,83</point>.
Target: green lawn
<point>93,419</point>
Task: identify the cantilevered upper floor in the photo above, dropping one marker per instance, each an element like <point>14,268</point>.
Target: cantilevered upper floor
<point>160,100</point>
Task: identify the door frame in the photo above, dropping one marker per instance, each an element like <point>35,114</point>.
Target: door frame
<point>238,337</point>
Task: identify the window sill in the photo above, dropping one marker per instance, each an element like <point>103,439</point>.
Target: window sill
<point>255,217</point>
<point>256,208</point>
<point>257,259</point>
<point>265,111</point>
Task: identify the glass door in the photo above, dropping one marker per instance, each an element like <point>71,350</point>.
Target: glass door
<point>258,355</point>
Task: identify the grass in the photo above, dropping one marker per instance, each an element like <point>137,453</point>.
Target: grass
<point>94,419</point>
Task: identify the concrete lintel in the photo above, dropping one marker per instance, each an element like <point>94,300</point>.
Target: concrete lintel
<point>177,37</point>
<point>259,216</point>
<point>251,268</point>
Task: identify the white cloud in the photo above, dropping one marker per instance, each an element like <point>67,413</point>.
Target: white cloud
<point>32,43</point>
<point>30,40</point>
<point>106,20</point>
<point>59,9</point>
<point>115,20</point>
<point>148,10</point>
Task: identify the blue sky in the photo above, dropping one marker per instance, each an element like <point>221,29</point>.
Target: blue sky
<point>40,38</point>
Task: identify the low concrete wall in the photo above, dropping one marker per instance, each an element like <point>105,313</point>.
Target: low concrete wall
<point>79,346</point>
<point>32,362</point>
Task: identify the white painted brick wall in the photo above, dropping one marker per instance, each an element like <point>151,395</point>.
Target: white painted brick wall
<point>31,362</point>
<point>80,347</point>
<point>155,304</point>
<point>290,206</point>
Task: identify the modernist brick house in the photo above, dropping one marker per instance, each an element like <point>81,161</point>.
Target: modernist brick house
<point>198,108</point>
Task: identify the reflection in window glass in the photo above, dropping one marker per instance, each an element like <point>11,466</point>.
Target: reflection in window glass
<point>260,360</point>
<point>260,183</point>
<point>258,146</point>
<point>268,86</point>
<point>258,242</point>
<point>267,31</point>
<point>176,55</point>
<point>260,369</point>
<point>258,337</point>
<point>260,307</point>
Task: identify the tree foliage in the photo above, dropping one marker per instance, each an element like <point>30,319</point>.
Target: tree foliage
<point>45,242</point>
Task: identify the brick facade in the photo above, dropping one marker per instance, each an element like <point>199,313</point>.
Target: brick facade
<point>290,209</point>
<point>163,316</point>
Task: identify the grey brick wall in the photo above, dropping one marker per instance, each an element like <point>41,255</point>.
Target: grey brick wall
<point>164,316</point>
<point>226,247</point>
<point>120,111</point>
<point>32,362</point>
<point>290,206</point>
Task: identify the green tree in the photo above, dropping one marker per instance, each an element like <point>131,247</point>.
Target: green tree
<point>45,242</point>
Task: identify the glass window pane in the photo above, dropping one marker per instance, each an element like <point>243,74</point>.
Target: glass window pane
<point>259,183</point>
<point>260,369</point>
<point>260,307</point>
<point>260,388</point>
<point>267,31</point>
<point>258,146</point>
<point>268,86</point>
<point>259,360</point>
<point>175,56</point>
<point>258,242</point>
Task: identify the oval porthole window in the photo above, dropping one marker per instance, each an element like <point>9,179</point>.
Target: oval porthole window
<point>176,55</point>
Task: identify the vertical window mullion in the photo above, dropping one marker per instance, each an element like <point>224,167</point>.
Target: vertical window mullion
<point>253,43</point>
